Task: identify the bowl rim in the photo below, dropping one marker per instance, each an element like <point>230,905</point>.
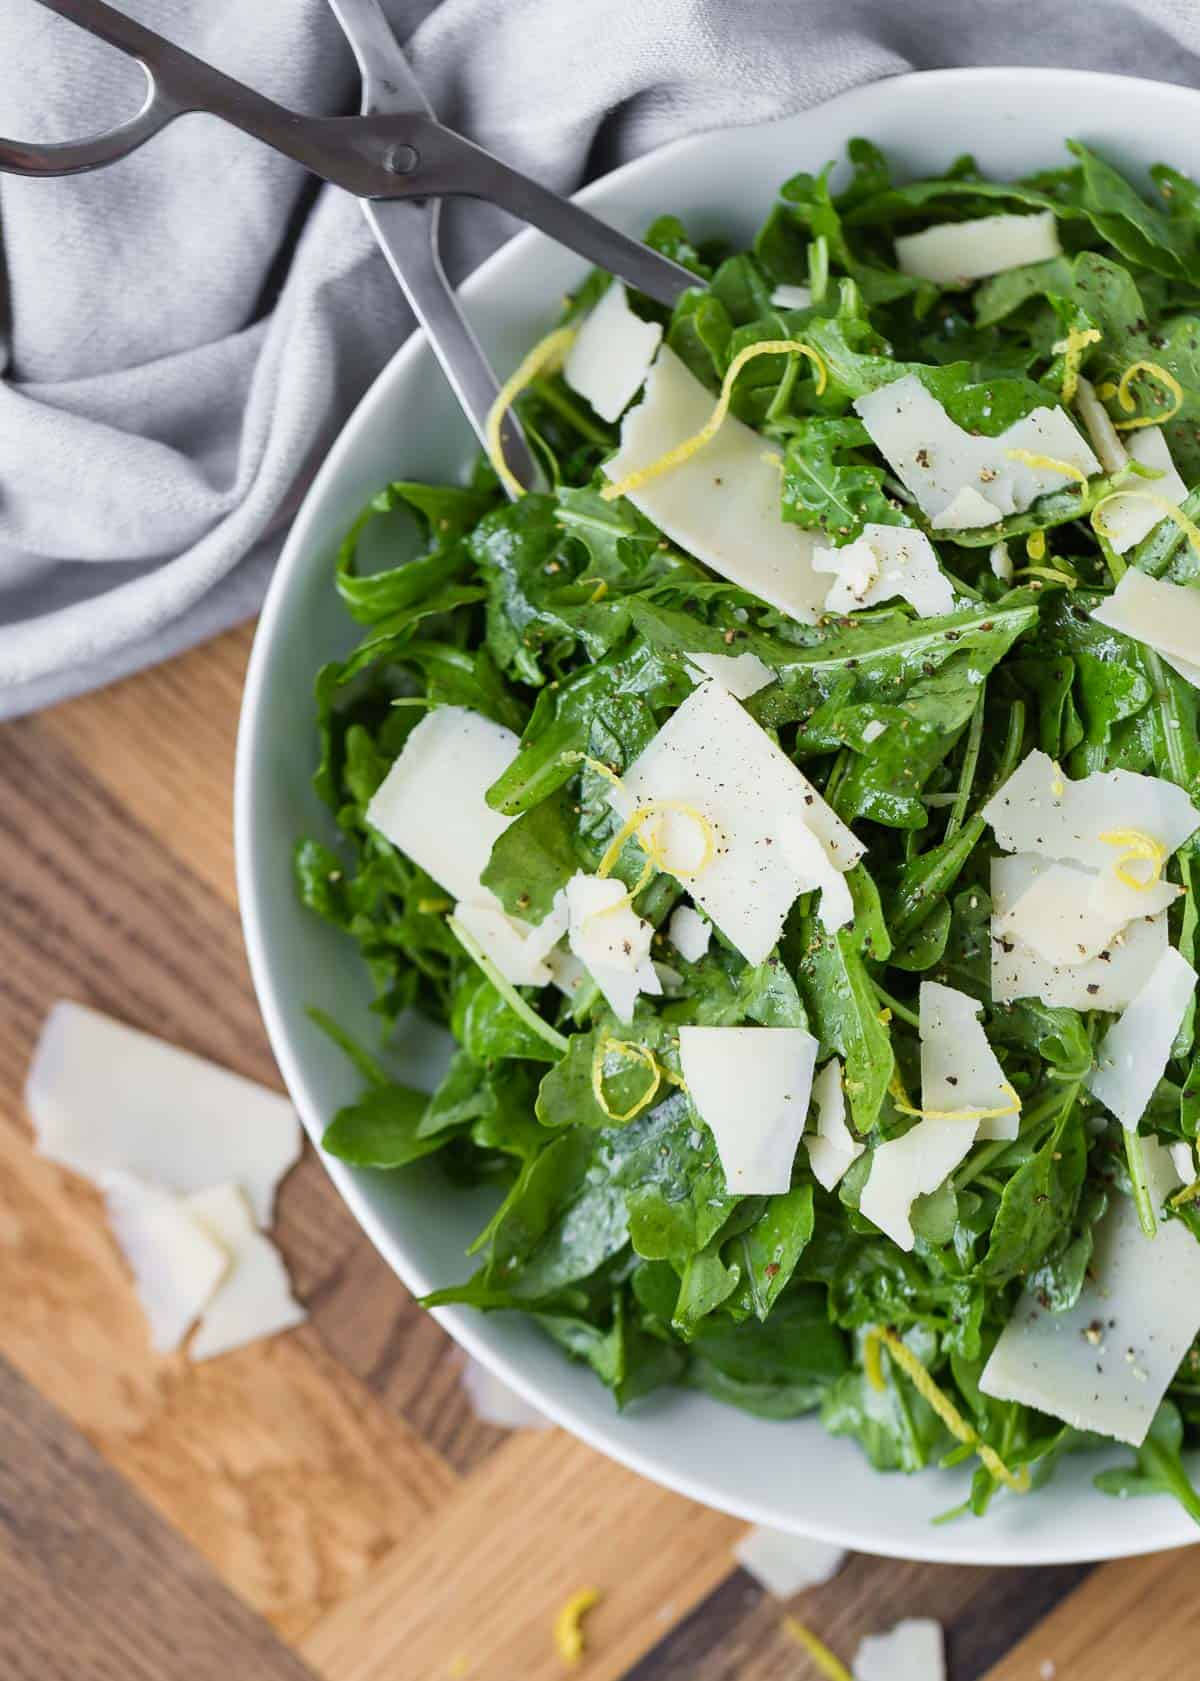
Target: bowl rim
<point>461,1322</point>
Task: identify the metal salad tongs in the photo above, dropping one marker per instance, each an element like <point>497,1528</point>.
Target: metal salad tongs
<point>396,158</point>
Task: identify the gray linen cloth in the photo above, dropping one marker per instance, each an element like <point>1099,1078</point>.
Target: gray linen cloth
<point>182,334</point>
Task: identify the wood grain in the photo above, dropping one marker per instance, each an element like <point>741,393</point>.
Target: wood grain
<point>94,1587</point>
<point>162,744</point>
<point>737,1634</point>
<point>1134,1621</point>
<point>480,1584</point>
<point>335,1479</point>
<point>277,1462</point>
<point>156,754</point>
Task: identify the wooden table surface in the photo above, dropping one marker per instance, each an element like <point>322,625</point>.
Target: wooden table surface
<point>325,1505</point>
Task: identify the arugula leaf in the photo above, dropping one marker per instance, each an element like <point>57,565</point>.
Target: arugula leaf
<point>1158,1467</point>
<point>827,487</point>
<point>844,1012</point>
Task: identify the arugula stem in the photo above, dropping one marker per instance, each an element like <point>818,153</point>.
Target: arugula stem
<point>895,1006</point>
<point>1172,726</point>
<point>840,766</point>
<point>1036,1126</point>
<point>958,810</point>
<point>507,991</point>
<point>1137,1175</point>
<point>572,413</point>
<point>783,391</point>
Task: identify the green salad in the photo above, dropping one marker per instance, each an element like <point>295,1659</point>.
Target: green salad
<point>790,813</point>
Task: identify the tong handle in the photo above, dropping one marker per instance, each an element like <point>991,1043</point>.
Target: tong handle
<point>178,82</point>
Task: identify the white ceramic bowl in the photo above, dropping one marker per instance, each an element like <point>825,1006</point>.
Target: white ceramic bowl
<point>787,1474</point>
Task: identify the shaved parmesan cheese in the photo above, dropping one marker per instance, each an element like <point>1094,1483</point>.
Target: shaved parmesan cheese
<point>1000,562</point>
<point>1165,616</point>
<point>712,758</point>
<point>935,458</point>
<point>105,1098</point>
<point>1040,810</point>
<point>519,957</point>
<point>810,861</point>
<point>1109,981</point>
<point>611,354</point>
<point>431,803</point>
<point>1069,915</point>
<point>1133,1054</point>
<point>176,1264</point>
<point>1106,440</point>
<point>495,1403</point>
<point>873,730</point>
<point>886,561</point>
<point>254,1300</point>
<point>569,973</point>
<point>1127,519</point>
<point>721,504</point>
<point>915,1650</point>
<point>784,1564</point>
<point>751,1086</point>
<point>689,933</point>
<point>742,674</point>
<point>966,510</point>
<point>905,1168</point>
<point>959,1070</point>
<point>611,940</point>
<point>1105,1364</point>
<point>792,297</point>
<point>833,1147</point>
<point>955,253</point>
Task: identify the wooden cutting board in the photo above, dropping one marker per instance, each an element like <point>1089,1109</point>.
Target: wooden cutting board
<point>325,1505</point>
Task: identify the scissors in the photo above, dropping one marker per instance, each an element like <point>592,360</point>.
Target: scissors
<point>396,158</point>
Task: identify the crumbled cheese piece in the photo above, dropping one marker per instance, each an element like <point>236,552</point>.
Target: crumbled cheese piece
<point>915,1650</point>
<point>751,1086</point>
<point>722,503</point>
<point>518,949</point>
<point>105,1098</point>
<point>886,561</point>
<point>1069,915</point>
<point>1109,981</point>
<point>792,297</point>
<point>254,1300</point>
<point>1134,1053</point>
<point>1106,440</point>
<point>873,730</point>
<point>611,940</point>
<point>176,1264</point>
<point>913,1165</point>
<point>1163,615</point>
<point>955,253</point>
<point>712,760</point>
<point>1000,562</point>
<point>1143,1298</point>
<point>493,1402</point>
<point>967,510</point>
<point>1183,1160</point>
<point>611,354</point>
<point>431,803</point>
<point>689,933</point>
<point>935,458</point>
<point>785,1564</point>
<point>959,1069</point>
<point>1039,810</point>
<point>1127,519</point>
<point>814,871</point>
<point>742,674</point>
<point>833,1147</point>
